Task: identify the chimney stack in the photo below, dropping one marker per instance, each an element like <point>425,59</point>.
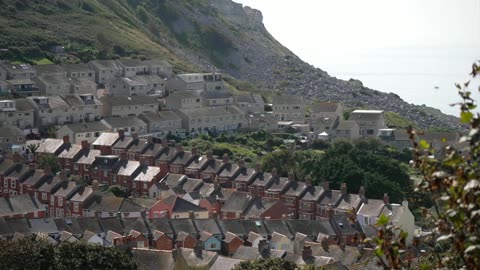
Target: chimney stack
<point>258,168</point>
<point>307,252</point>
<point>164,143</point>
<point>16,158</point>
<point>85,145</point>
<point>209,155</point>
<point>194,151</point>
<point>135,136</point>
<point>343,188</point>
<point>308,181</point>
<point>263,247</point>
<point>326,185</point>
<point>291,177</point>
<point>241,163</point>
<point>226,159</point>
<point>121,133</point>
<point>95,185</point>
<point>143,161</point>
<point>149,139</point>
<point>123,155</point>
<point>32,166</point>
<point>361,192</point>
<point>274,172</point>
<point>386,199</point>
<point>179,147</point>
<point>66,139</point>
<point>197,249</point>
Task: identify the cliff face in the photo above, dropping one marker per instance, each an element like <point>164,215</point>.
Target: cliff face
<point>193,35</point>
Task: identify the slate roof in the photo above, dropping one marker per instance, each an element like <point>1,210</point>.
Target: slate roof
<point>288,100</point>
<point>233,226</point>
<point>244,175</point>
<point>112,224</point>
<point>147,174</point>
<point>88,156</point>
<point>127,100</point>
<point>279,226</point>
<point>20,205</point>
<point>330,197</point>
<point>229,237</point>
<point>279,184</point>
<point>325,107</point>
<point>20,171</point>
<point>295,189</point>
<point>43,225</point>
<point>172,179</point>
<point>262,179</point>
<point>126,121</point>
<point>152,117</point>
<point>192,185</point>
<point>317,261</point>
<point>54,102</point>
<point>127,167</point>
<point>151,259</point>
<point>11,131</point>
<point>105,203</point>
<point>238,202</point>
<point>212,166</point>
<point>365,115</point>
<point>255,226</point>
<point>87,127</point>
<point>152,149</point>
<point>19,225</point>
<point>106,139</point>
<point>49,184</point>
<point>208,225</point>
<point>225,263</point>
<point>184,225</point>
<point>5,165</point>
<point>181,158</point>
<point>313,193</point>
<point>228,170</point>
<point>344,225</point>
<point>211,111</point>
<point>82,194</point>
<point>350,201</point>
<point>36,179</point>
<point>259,206</point>
<point>105,64</point>
<point>371,207</point>
<point>78,226</point>
<point>66,189</point>
<point>346,125</point>
<point>135,224</point>
<point>193,261</point>
<point>162,225</point>
<point>180,205</point>
<point>311,228</point>
<point>50,146</point>
<point>70,151</point>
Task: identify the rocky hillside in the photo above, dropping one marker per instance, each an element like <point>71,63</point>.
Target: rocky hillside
<point>193,35</point>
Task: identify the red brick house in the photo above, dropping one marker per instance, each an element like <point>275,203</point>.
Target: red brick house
<point>83,166</point>
<point>52,147</point>
<point>292,196</point>
<point>145,179</point>
<point>34,181</point>
<point>236,205</point>
<point>242,177</point>
<point>123,143</point>
<point>227,172</point>
<point>6,165</point>
<point>104,143</point>
<point>328,201</point>
<point>21,206</point>
<point>49,185</point>
<point>231,243</point>
<point>185,240</point>
<point>261,181</point>
<point>11,180</point>
<point>278,186</point>
<point>103,167</point>
<point>161,241</point>
<point>177,208</point>
<point>212,167</point>
<point>138,147</point>
<point>198,162</point>
<point>68,156</point>
<point>151,152</point>
<point>79,200</point>
<point>180,160</point>
<point>124,172</point>
<point>307,206</point>
<point>265,208</point>
<point>163,159</point>
<point>59,200</point>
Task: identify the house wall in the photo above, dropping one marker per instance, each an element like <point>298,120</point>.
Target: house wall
<point>230,248</point>
<point>212,244</point>
<point>20,119</point>
<point>163,243</point>
<point>283,244</point>
<point>289,112</point>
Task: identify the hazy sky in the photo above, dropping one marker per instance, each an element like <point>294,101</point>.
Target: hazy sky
<point>313,24</point>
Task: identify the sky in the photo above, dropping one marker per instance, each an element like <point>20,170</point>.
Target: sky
<point>417,49</point>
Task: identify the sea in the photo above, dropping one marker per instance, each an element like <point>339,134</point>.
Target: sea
<point>418,75</point>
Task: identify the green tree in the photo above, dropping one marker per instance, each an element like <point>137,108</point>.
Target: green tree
<point>33,148</point>
<point>262,264</point>
<point>50,162</point>
<point>26,253</point>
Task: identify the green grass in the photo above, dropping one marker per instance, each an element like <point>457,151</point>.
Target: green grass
<point>395,120</point>
<point>43,61</point>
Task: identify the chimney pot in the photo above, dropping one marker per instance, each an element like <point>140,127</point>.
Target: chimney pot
<point>121,133</point>
<point>85,144</point>
<point>226,158</point>
<point>135,136</point>
<point>209,155</point>
<point>343,188</point>
<point>308,181</point>
<point>386,199</point>
<point>326,185</point>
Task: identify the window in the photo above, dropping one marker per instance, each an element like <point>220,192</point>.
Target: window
<point>52,201</point>
<point>44,196</point>
<point>366,220</point>
<point>213,246</point>
<point>60,201</point>
<point>13,184</point>
<point>5,183</point>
